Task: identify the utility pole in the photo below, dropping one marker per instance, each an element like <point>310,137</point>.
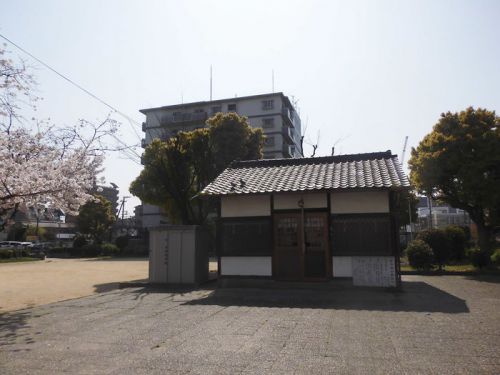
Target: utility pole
<point>210,82</point>
<point>429,202</point>
<point>404,151</point>
<point>122,210</point>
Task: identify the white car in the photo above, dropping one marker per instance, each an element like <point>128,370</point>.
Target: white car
<point>11,244</point>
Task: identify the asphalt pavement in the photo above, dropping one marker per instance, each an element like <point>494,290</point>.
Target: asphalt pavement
<point>435,325</point>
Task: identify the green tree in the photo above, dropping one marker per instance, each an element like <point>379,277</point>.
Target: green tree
<point>459,163</point>
<point>406,202</point>
<point>177,169</point>
<point>438,242</point>
<point>95,218</point>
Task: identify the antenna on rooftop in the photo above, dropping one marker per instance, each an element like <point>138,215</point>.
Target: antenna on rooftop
<point>404,150</point>
<point>210,82</point>
<point>272,79</point>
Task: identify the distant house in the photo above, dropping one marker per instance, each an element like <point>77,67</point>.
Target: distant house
<point>310,218</point>
<point>441,215</point>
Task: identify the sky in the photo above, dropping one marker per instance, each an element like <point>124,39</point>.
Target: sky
<point>365,74</point>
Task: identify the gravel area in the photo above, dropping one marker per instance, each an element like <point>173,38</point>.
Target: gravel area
<point>435,325</point>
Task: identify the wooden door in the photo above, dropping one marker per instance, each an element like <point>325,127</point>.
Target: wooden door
<point>316,252</point>
<point>288,255</point>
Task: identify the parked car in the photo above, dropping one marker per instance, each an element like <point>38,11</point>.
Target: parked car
<point>13,244</point>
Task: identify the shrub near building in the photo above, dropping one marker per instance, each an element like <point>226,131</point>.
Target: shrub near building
<point>457,241</point>
<point>438,242</point>
<point>420,255</point>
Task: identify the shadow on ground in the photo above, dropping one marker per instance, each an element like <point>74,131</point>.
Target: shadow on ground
<point>116,259</point>
<point>107,287</point>
<point>485,278</point>
<point>414,296</point>
<point>12,326</point>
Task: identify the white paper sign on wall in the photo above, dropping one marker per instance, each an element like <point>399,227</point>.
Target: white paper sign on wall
<point>374,271</point>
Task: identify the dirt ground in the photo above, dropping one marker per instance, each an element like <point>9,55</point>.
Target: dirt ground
<point>30,284</point>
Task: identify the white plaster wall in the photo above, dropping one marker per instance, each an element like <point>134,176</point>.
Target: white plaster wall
<point>246,266</point>
<point>342,266</point>
<point>246,205</point>
<point>290,201</point>
<point>359,202</point>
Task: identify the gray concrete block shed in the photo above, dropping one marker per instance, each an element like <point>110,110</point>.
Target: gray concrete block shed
<point>178,254</point>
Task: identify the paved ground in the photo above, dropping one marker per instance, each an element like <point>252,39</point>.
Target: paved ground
<point>31,284</point>
<point>440,325</point>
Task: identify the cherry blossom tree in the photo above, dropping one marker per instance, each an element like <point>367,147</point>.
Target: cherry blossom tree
<point>42,163</point>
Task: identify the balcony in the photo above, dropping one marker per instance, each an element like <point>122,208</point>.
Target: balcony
<point>288,151</point>
<point>287,134</point>
<point>143,143</point>
<point>183,118</point>
<point>143,126</point>
<point>288,116</point>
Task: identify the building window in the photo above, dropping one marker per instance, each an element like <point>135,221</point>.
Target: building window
<point>216,109</point>
<point>268,123</point>
<point>198,110</point>
<point>269,141</point>
<point>231,107</point>
<point>267,104</point>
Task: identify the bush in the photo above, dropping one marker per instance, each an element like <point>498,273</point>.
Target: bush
<point>495,257</point>
<point>438,242</point>
<point>90,250</point>
<point>121,242</point>
<point>457,241</point>
<point>6,253</point>
<point>479,259</point>
<point>109,249</point>
<point>420,255</point>
<point>79,242</point>
<point>57,252</point>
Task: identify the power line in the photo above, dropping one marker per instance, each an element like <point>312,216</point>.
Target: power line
<point>131,120</point>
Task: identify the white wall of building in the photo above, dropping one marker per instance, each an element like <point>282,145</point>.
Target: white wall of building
<point>248,205</point>
<point>359,202</point>
<point>290,201</point>
<point>342,266</point>
<point>152,216</point>
<point>246,266</point>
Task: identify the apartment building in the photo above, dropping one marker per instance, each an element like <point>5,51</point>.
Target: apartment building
<point>441,215</point>
<point>273,112</point>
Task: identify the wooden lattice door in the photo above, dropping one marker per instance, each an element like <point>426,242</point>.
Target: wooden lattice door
<point>288,256</point>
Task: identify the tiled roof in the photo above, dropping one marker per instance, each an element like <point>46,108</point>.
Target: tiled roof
<point>373,170</point>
